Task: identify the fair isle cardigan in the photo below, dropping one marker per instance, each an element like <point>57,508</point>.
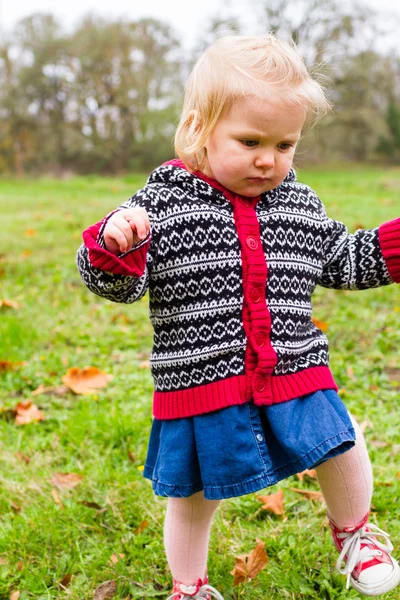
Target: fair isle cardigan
<point>230,281</point>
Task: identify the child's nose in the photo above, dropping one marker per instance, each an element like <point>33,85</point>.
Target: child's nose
<point>265,159</point>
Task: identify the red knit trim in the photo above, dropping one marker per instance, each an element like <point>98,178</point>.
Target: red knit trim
<point>132,264</point>
<point>200,399</point>
<point>232,391</point>
<point>389,239</point>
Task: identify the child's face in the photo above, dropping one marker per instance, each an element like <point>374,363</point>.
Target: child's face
<point>251,148</point>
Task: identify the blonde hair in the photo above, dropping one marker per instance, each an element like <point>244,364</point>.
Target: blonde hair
<point>237,67</point>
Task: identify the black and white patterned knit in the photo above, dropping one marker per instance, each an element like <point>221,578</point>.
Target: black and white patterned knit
<point>193,273</point>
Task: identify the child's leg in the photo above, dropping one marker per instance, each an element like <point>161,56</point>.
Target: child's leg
<point>346,483</point>
<point>186,535</point>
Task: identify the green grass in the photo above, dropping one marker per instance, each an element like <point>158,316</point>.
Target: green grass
<point>60,324</point>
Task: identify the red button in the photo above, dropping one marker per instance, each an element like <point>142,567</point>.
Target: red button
<point>252,242</point>
<point>256,294</point>
<point>260,385</point>
<point>261,338</point>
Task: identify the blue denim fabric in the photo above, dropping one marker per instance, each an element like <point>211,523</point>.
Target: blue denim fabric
<point>245,448</point>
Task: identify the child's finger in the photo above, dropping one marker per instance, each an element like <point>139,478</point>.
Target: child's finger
<point>114,233</point>
<point>141,225</point>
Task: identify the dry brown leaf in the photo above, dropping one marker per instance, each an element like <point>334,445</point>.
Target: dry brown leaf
<point>322,325</point>
<point>23,457</point>
<point>9,304</point>
<point>131,456</point>
<point>273,503</point>
<point>93,505</point>
<point>311,473</point>
<point>247,566</point>
<point>309,494</point>
<point>20,566</point>
<point>65,481</point>
<point>106,590</point>
<point>143,525</point>
<point>6,365</point>
<point>65,581</point>
<point>116,557</point>
<point>57,498</point>
<point>15,595</point>
<point>27,413</point>
<point>15,507</point>
<point>85,381</point>
<point>55,390</point>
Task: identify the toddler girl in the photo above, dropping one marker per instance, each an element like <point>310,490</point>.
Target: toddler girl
<point>231,247</point>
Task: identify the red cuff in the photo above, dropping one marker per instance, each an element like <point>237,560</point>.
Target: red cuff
<point>132,264</point>
<point>389,239</point>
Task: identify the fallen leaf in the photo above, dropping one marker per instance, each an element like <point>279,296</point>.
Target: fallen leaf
<point>57,498</point>
<point>322,325</point>
<point>56,390</point>
<point>357,226</point>
<point>66,581</point>
<point>20,566</point>
<point>378,443</point>
<point>310,473</point>
<point>15,595</point>
<point>106,590</point>
<point>27,413</point>
<point>23,457</point>
<point>143,525</point>
<point>309,494</point>
<point>9,304</point>
<point>145,364</point>
<point>247,566</point>
<point>273,503</point>
<point>91,504</point>
<point>16,508</point>
<point>6,365</point>
<point>65,481</point>
<point>116,557</point>
<point>85,381</point>
<point>131,456</point>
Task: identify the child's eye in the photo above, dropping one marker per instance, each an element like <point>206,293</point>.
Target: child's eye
<point>249,143</point>
<point>285,146</point>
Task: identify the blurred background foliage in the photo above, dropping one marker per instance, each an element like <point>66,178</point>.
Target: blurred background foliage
<point>105,97</point>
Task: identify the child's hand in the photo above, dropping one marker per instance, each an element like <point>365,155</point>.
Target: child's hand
<point>125,229</point>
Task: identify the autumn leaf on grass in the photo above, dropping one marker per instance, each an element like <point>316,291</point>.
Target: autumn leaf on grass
<point>105,591</point>
<point>143,525</point>
<point>9,304</point>
<point>85,381</point>
<point>27,413</point>
<point>56,390</point>
<point>247,566</point>
<point>6,365</point>
<point>116,558</point>
<point>309,494</point>
<point>65,581</point>
<point>15,595</point>
<point>65,481</point>
<point>311,473</point>
<point>273,503</point>
<point>322,325</point>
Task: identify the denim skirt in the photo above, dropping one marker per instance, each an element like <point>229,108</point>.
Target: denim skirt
<point>244,448</point>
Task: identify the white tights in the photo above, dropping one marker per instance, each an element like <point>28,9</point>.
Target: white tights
<point>346,483</point>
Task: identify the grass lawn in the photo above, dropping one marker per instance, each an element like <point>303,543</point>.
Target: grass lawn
<point>51,539</point>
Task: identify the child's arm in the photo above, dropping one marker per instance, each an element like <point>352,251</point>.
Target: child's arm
<point>365,259</point>
<point>116,257</point>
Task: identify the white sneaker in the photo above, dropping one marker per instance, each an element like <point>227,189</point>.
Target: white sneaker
<point>199,591</point>
<point>368,564</point>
